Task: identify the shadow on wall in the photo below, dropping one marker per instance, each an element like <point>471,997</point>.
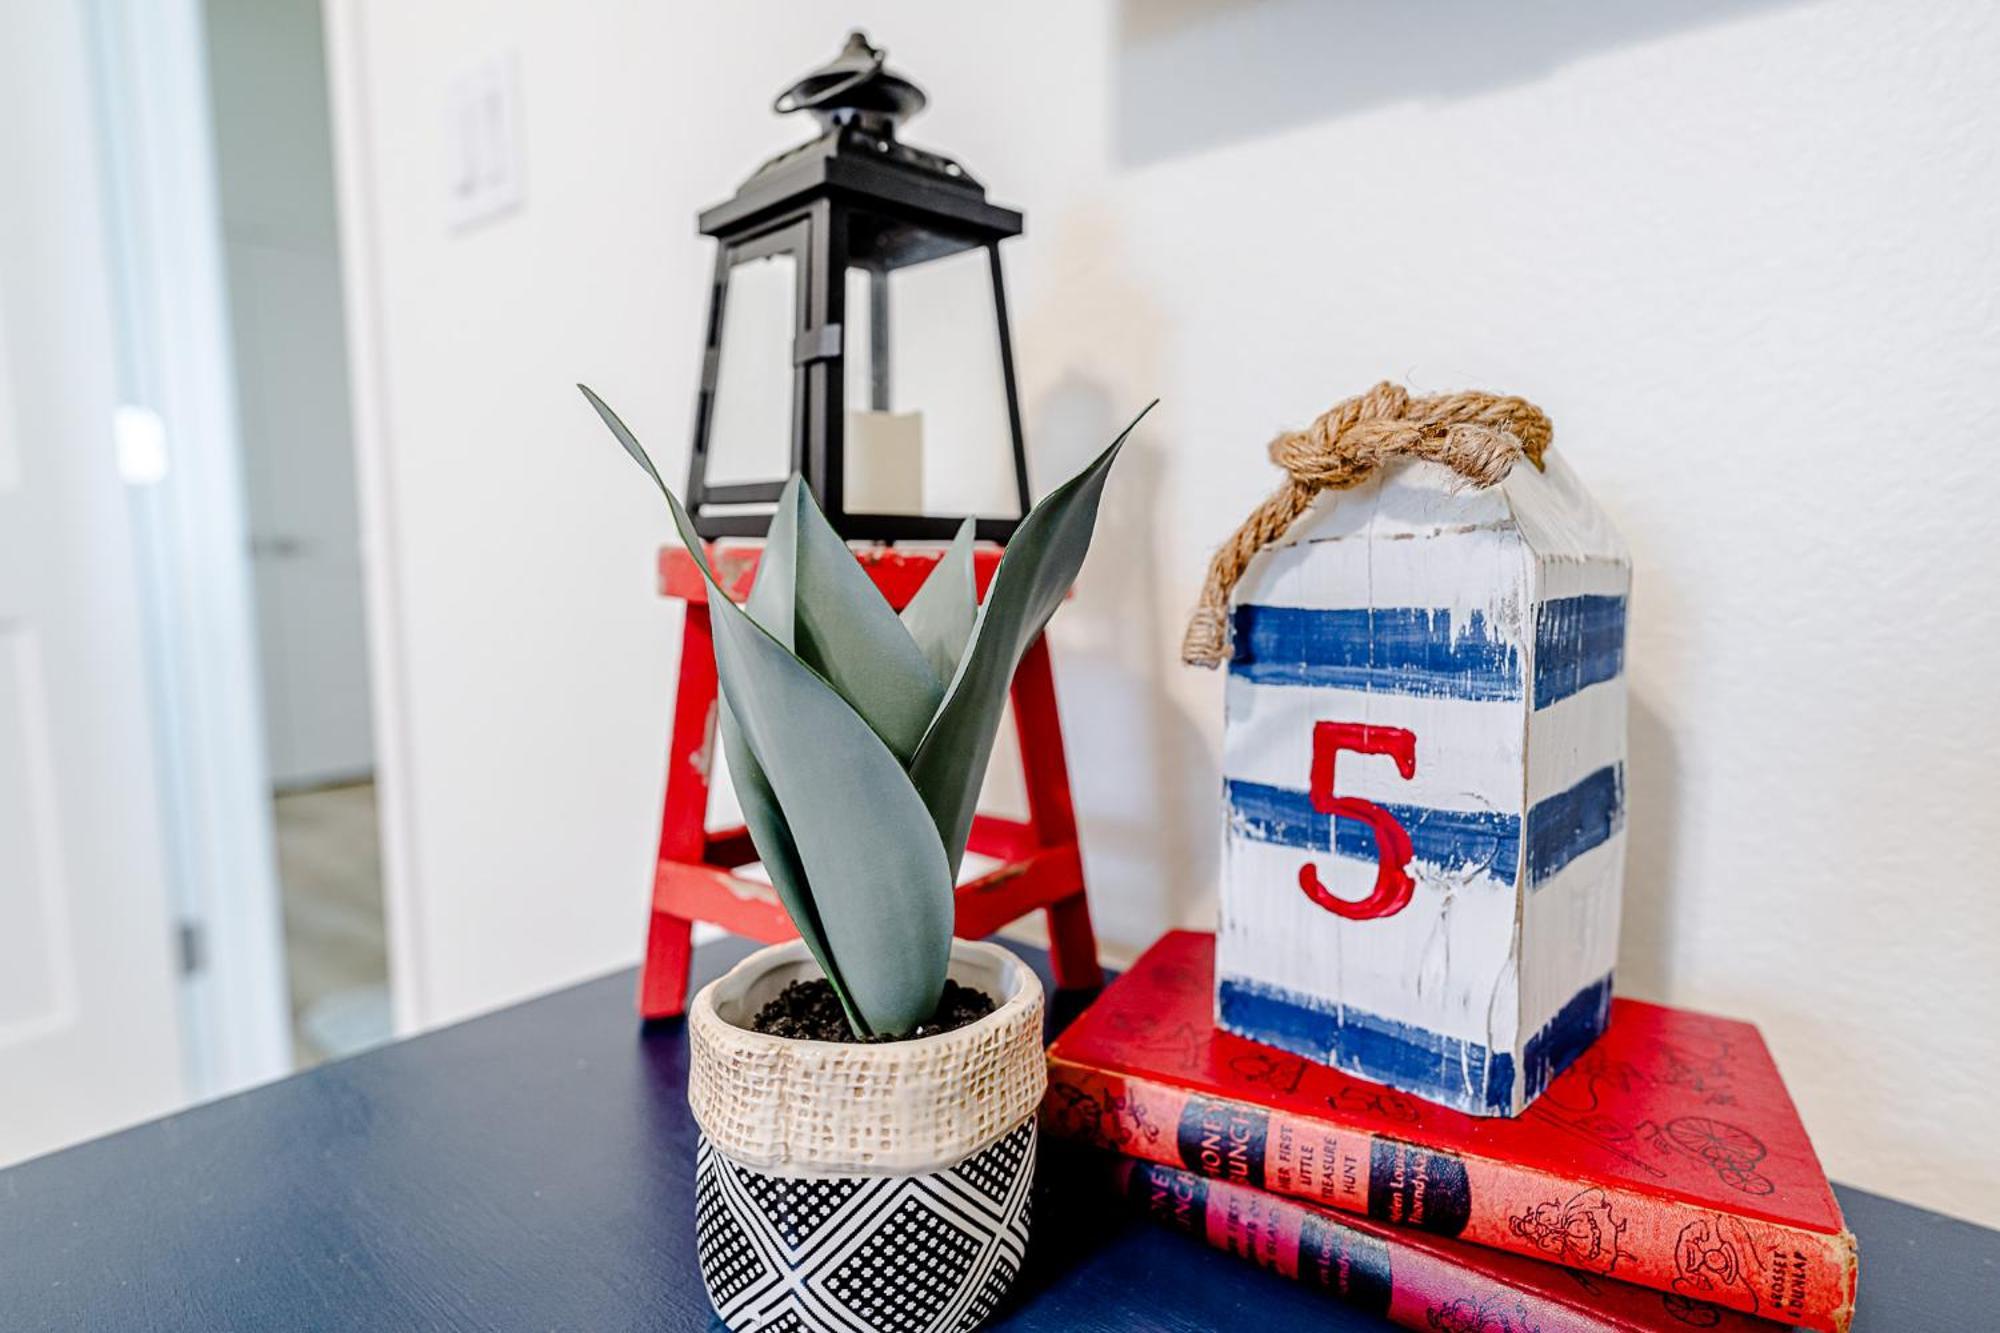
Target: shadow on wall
<point>1195,74</point>
<point>1143,776</point>
<point>1652,783</point>
<point>1144,782</point>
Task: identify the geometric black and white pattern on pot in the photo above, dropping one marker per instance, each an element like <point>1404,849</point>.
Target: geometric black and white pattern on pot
<point>930,1253</point>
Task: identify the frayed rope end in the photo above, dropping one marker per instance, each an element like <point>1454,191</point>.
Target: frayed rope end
<point>1206,643</point>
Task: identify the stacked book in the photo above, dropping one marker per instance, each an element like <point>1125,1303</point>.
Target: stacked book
<point>1662,1182</point>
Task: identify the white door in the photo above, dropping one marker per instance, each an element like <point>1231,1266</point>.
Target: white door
<point>89,1037</point>
<point>305,542</point>
<point>274,146</point>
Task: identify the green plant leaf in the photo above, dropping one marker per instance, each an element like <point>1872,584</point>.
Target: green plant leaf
<point>774,592</point>
<point>940,617</point>
<point>846,630</point>
<point>779,854</point>
<point>623,434</point>
<point>773,596</point>
<point>877,874</point>
<point>1040,563</point>
<point>770,605</point>
<point>880,882</point>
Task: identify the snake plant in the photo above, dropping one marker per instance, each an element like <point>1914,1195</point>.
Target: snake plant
<point>857,738</point>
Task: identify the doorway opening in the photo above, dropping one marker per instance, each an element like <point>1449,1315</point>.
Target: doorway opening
<point>273,136</point>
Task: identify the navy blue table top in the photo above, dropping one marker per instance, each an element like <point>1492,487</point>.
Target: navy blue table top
<point>533,1170</point>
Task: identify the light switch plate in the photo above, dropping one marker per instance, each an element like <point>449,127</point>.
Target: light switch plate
<point>484,169</point>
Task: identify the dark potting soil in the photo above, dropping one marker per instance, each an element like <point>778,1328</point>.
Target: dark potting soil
<point>810,1011</point>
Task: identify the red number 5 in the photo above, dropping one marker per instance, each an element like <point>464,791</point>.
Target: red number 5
<point>1393,885</point>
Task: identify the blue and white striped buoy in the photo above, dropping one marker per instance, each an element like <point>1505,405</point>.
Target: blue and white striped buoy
<point>1424,764</point>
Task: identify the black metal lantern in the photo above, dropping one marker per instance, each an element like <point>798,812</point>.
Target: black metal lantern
<point>812,255</point>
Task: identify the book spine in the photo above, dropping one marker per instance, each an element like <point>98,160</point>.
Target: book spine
<point>1742,1263</point>
<point>1375,1273</point>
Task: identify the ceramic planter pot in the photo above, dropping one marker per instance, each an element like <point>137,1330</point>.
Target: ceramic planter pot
<point>884,1186</point>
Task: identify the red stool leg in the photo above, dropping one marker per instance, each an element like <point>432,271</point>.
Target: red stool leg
<point>1072,943</point>
<point>663,981</point>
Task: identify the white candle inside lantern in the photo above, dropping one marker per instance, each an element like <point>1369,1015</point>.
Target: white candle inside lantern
<point>883,471</point>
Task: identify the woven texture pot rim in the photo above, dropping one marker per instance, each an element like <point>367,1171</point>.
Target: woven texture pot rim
<point>791,1106</point>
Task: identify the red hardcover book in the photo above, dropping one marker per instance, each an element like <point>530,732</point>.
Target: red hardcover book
<point>1411,1278</point>
<point>1668,1155</point>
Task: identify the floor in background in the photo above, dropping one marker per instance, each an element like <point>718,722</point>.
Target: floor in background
<point>336,951</point>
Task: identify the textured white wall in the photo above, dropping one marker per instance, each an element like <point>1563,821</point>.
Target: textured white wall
<point>1742,253</point>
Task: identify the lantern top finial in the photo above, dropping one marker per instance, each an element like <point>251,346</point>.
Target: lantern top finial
<point>859,102</point>
<point>855,88</point>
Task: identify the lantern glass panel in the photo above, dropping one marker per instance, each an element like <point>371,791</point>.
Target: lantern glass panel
<point>750,424</point>
<point>932,371</point>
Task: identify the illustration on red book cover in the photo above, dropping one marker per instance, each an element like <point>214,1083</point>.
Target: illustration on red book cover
<point>1668,1155</point>
<point>1415,1280</point>
<point>1581,1233</point>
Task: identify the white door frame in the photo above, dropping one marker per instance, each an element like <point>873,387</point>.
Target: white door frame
<point>191,534</point>
<point>355,190</point>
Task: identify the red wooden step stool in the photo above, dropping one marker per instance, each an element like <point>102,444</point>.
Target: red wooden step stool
<point>1041,870</point>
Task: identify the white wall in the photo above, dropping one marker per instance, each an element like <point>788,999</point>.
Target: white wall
<point>1741,252</point>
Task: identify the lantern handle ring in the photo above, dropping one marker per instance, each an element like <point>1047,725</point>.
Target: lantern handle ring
<point>788,101</point>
